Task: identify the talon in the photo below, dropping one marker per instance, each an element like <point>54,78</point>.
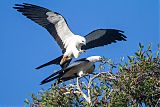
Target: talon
<point>65,58</point>
<point>81,51</point>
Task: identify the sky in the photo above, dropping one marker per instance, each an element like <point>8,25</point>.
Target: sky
<point>25,45</point>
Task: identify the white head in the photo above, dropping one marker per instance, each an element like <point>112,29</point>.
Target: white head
<point>81,40</point>
<point>95,58</point>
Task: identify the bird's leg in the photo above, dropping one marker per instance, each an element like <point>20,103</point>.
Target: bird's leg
<point>65,58</point>
<point>81,51</point>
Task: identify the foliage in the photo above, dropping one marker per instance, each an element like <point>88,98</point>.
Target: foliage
<point>131,83</point>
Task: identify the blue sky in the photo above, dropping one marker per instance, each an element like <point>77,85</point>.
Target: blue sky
<point>25,45</point>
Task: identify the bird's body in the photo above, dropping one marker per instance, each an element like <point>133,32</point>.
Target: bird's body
<point>83,68</point>
<point>78,68</point>
<point>73,48</point>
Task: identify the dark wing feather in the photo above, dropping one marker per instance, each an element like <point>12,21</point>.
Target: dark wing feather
<point>63,72</point>
<point>51,78</point>
<point>54,61</point>
<point>64,79</point>
<point>60,80</point>
<point>103,37</point>
<point>57,62</point>
<point>52,21</point>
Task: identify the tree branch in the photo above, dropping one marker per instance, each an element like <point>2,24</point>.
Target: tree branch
<point>80,90</point>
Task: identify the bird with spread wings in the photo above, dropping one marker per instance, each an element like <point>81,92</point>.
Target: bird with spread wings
<point>72,45</point>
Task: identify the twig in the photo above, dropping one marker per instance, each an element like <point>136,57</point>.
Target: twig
<point>80,90</point>
<point>84,84</point>
<point>89,95</point>
<point>101,73</point>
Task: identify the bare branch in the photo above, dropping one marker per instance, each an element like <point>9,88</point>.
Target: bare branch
<point>80,90</point>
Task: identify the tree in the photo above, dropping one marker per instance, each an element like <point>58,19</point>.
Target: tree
<point>130,83</point>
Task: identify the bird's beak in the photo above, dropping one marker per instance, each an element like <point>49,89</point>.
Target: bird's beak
<point>102,60</point>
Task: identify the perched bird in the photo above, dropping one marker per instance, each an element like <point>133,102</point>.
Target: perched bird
<point>78,68</point>
<point>72,45</point>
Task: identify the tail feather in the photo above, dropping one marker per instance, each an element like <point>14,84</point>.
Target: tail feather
<point>51,78</point>
<point>60,80</point>
<point>59,77</point>
<point>54,61</point>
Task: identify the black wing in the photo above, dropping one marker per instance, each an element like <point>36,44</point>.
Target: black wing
<point>52,77</point>
<point>103,37</point>
<point>52,21</point>
<point>60,80</point>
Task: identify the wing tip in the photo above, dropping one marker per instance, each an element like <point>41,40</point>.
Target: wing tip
<point>122,35</point>
<point>38,67</point>
<point>23,5</point>
<point>120,31</point>
<point>18,6</point>
<point>43,82</point>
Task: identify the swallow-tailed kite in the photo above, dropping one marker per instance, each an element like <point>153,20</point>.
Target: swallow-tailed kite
<point>77,69</point>
<point>72,45</point>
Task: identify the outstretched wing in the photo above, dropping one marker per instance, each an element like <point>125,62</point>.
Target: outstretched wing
<point>103,37</point>
<point>52,21</point>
